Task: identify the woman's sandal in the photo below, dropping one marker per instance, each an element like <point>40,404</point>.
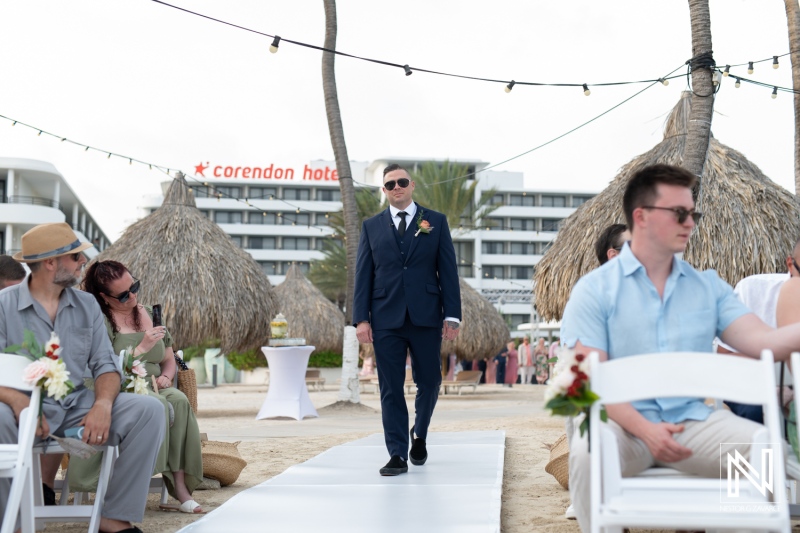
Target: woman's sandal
<point>189,507</point>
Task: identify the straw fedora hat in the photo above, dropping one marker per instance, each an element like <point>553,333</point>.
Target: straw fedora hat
<point>49,240</point>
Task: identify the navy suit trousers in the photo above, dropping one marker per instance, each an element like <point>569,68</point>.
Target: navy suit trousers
<point>391,347</point>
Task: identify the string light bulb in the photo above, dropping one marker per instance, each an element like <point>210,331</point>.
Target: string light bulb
<point>664,81</point>
<point>750,68</point>
<point>774,93</point>
<point>775,62</point>
<point>586,90</point>
<point>738,83</point>
<point>510,86</point>
<point>727,71</point>
<point>109,155</point>
<point>408,70</point>
<point>275,43</point>
<point>63,139</point>
<point>716,78</point>
<point>86,149</point>
<point>14,123</point>
<point>39,134</point>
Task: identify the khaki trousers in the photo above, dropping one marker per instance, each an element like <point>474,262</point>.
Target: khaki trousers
<point>702,437</point>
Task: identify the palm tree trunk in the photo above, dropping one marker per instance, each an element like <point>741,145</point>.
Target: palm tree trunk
<point>699,130</point>
<point>793,22</point>
<point>340,153</point>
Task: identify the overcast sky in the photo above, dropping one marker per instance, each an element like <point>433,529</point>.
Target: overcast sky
<point>160,85</point>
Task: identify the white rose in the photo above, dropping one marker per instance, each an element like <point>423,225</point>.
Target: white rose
<point>139,385</point>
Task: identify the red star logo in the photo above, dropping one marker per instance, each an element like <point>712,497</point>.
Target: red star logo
<point>198,169</point>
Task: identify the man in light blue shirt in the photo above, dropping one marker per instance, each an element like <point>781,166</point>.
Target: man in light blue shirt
<point>649,301</point>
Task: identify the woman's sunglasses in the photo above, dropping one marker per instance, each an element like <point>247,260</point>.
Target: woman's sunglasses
<point>122,298</point>
<point>402,183</point>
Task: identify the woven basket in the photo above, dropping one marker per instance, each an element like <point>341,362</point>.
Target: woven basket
<point>558,466</point>
<point>187,384</point>
<point>222,461</point>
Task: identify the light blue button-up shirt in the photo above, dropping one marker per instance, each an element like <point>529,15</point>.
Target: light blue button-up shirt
<point>616,308</point>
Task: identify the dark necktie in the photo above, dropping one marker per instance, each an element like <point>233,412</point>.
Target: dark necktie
<point>401,229</point>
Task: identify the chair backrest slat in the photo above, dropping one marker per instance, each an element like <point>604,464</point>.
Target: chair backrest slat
<point>13,366</point>
<point>667,374</point>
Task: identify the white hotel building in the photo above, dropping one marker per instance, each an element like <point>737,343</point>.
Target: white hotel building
<point>34,192</point>
<point>288,222</point>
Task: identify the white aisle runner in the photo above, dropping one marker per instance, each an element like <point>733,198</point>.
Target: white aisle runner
<point>459,489</point>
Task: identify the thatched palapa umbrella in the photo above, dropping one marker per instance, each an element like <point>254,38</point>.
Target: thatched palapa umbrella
<point>309,313</point>
<point>483,331</point>
<point>209,287</point>
<point>749,225</point>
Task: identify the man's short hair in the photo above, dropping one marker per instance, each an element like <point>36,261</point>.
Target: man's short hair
<point>610,238</point>
<point>10,269</point>
<point>641,189</point>
<point>393,167</point>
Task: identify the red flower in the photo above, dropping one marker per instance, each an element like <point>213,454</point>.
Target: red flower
<point>580,357</point>
<point>51,353</point>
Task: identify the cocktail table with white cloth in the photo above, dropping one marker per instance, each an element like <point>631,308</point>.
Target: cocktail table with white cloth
<point>287,394</point>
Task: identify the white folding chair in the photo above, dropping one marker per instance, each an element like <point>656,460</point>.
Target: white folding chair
<point>78,511</point>
<point>680,501</point>
<point>16,460</point>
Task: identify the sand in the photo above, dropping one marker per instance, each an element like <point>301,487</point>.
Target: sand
<point>532,499</point>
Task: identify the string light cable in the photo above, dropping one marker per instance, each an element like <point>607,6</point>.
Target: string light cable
<point>214,188</point>
<point>576,128</point>
<point>407,70</point>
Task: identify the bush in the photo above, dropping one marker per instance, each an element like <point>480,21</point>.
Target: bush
<point>248,360</point>
<point>325,360</point>
<point>191,352</point>
<point>252,359</point>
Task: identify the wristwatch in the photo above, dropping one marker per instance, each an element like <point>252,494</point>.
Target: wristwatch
<point>453,325</point>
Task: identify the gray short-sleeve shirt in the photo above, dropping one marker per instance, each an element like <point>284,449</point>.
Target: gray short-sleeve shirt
<point>79,325</point>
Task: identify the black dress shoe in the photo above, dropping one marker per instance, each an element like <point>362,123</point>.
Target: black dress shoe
<point>394,467</point>
<point>418,454</point>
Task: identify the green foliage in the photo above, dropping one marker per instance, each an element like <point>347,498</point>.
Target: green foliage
<point>199,350</point>
<point>446,187</point>
<point>252,359</point>
<point>248,360</point>
<point>329,275</point>
<point>325,360</point>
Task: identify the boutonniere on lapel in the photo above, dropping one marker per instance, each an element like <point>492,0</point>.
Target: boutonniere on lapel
<point>423,226</point>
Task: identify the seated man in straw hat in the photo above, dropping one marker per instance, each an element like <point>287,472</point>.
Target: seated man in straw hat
<point>45,302</point>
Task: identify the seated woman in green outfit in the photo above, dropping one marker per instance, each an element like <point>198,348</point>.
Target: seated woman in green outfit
<point>130,325</point>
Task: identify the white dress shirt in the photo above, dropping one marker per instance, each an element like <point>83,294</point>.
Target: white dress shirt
<point>411,210</point>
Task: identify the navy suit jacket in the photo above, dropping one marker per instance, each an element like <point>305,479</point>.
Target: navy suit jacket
<point>423,283</point>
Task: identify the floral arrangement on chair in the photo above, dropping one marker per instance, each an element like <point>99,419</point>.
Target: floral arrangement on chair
<point>47,369</point>
<point>568,392</point>
<point>133,373</point>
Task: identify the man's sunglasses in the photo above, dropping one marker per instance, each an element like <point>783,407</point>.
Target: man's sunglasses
<point>680,212</point>
<point>402,183</point>
<point>795,264</point>
<point>127,294</point>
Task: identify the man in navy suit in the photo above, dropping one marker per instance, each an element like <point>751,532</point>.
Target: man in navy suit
<point>407,299</point>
